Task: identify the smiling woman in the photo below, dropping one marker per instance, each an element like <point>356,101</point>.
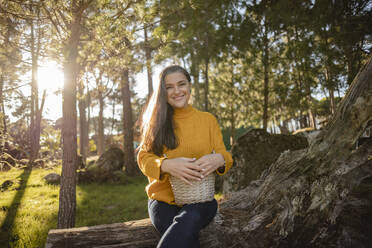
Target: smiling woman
<point>50,77</point>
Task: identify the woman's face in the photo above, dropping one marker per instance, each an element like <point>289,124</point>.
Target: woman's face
<point>178,89</point>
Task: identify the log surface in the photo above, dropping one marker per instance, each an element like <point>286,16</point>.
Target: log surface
<point>128,234</point>
<point>131,234</point>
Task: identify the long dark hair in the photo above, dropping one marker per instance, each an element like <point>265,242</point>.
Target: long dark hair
<point>157,127</point>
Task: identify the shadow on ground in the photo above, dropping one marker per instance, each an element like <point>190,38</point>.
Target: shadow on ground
<point>6,236</point>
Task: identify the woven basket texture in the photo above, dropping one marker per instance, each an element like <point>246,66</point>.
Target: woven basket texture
<point>199,191</point>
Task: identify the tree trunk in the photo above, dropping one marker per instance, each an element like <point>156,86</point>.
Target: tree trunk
<point>5,46</point>
<point>206,84</point>
<point>67,195</point>
<point>83,122</point>
<point>129,162</point>
<point>37,111</point>
<point>148,64</point>
<point>232,124</point>
<point>101,135</point>
<point>34,148</point>
<point>316,197</point>
<point>113,121</point>
<point>3,121</point>
<point>265,60</point>
<point>89,119</point>
<point>37,129</point>
<point>332,100</point>
<point>2,117</point>
<point>329,80</point>
<point>195,75</point>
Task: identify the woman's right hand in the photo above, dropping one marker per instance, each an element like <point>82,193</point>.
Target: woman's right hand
<point>182,168</point>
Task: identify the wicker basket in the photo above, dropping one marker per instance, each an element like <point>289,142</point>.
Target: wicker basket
<point>199,191</point>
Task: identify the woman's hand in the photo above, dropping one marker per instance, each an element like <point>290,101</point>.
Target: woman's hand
<point>210,162</point>
<point>183,168</point>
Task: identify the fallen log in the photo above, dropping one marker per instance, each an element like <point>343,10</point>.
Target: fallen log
<point>128,234</point>
<point>131,234</point>
<point>320,196</point>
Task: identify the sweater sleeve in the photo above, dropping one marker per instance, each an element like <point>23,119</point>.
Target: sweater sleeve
<point>149,163</point>
<point>219,146</point>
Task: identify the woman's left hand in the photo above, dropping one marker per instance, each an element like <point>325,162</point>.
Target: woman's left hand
<point>210,163</point>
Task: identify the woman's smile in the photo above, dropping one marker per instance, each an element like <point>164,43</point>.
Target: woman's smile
<point>178,98</point>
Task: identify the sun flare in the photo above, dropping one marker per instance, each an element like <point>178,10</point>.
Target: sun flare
<point>50,77</point>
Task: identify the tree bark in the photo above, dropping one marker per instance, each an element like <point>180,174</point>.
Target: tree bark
<point>206,84</point>
<point>2,113</point>
<point>316,197</point>
<point>232,124</point>
<point>113,121</point>
<point>129,162</point>
<point>2,118</point>
<point>148,64</point>
<point>100,131</point>
<point>195,75</point>
<point>265,60</point>
<point>83,123</point>
<point>35,111</point>
<point>67,196</point>
<point>89,119</point>
<point>101,135</point>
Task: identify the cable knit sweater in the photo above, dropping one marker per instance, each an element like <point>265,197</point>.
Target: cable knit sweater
<point>198,134</point>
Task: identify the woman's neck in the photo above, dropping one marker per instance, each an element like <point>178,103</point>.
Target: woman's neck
<point>183,112</point>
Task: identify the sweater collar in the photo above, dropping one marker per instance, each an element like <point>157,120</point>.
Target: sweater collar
<point>180,113</point>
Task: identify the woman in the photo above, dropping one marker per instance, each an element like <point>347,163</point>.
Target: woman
<point>178,140</point>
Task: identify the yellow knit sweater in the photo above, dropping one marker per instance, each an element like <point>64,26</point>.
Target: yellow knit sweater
<point>198,134</point>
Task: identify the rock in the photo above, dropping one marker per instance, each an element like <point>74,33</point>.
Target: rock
<point>5,185</point>
<point>85,177</point>
<point>94,174</point>
<point>108,168</point>
<point>111,160</point>
<point>254,152</point>
<point>52,178</point>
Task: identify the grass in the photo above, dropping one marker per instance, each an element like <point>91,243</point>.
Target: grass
<point>29,208</point>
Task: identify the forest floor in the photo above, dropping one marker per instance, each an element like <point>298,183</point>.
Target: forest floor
<point>29,207</point>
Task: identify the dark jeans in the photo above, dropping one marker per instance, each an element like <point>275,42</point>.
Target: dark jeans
<point>180,226</point>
